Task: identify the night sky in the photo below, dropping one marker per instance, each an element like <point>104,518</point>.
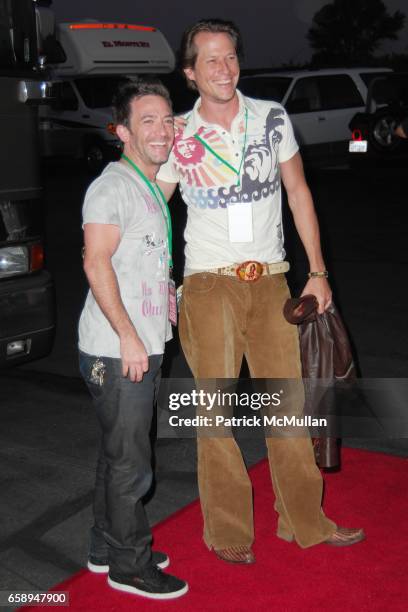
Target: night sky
<point>273,31</point>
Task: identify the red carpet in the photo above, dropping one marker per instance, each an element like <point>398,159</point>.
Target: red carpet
<point>370,491</point>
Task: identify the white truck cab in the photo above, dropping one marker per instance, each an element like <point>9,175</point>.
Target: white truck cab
<point>77,124</point>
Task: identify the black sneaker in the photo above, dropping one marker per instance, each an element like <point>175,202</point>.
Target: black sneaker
<point>101,566</point>
<point>150,582</point>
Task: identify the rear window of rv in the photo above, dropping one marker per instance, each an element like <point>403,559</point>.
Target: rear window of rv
<point>98,92</point>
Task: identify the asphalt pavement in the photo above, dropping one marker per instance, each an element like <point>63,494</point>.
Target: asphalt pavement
<point>49,435</point>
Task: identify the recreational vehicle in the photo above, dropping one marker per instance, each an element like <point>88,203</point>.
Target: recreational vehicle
<point>96,57</point>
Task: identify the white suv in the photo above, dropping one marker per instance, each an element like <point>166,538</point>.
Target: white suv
<point>320,103</point>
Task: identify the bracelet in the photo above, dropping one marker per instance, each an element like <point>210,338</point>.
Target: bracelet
<point>323,273</point>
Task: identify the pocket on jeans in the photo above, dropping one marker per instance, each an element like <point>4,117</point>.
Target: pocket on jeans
<point>93,371</point>
<point>202,282</point>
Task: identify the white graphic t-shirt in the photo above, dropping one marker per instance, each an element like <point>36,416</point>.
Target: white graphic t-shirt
<point>119,197</point>
<point>261,138</point>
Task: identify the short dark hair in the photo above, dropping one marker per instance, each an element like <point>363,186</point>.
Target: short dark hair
<point>188,50</point>
<point>132,89</point>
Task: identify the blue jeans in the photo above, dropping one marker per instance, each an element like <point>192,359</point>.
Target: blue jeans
<point>121,533</point>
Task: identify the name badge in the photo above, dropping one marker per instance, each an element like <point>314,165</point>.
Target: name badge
<point>172,302</point>
<point>240,227</point>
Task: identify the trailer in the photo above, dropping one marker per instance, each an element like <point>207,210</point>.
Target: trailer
<point>93,48</point>
<point>93,59</point>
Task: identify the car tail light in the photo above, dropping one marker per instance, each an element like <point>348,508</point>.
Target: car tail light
<point>36,257</point>
<point>13,260</point>
<point>357,135</point>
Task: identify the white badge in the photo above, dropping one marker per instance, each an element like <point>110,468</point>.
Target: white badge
<point>240,222</point>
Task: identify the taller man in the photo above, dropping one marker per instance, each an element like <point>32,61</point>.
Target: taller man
<point>122,331</point>
<point>229,160</point>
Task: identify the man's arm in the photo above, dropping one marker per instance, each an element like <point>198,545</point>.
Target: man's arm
<point>301,204</point>
<point>167,188</point>
<point>101,242</point>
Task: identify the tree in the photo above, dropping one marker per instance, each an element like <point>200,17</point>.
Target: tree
<point>349,31</point>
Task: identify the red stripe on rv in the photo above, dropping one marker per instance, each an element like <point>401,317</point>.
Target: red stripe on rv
<point>109,26</point>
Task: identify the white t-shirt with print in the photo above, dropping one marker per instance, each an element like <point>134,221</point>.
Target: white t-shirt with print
<point>209,186</point>
<point>119,197</point>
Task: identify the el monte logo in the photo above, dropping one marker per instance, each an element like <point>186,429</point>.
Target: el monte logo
<point>125,43</point>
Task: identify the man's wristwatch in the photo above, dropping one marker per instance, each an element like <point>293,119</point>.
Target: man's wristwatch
<point>322,273</point>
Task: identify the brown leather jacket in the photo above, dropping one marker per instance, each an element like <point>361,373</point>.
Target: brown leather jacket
<point>326,361</point>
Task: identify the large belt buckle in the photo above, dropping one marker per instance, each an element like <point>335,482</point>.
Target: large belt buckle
<point>249,271</point>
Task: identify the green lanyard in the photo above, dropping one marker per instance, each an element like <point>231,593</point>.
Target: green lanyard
<point>222,160</point>
<point>166,215</point>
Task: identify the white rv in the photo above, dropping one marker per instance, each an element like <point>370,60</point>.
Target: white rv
<point>95,57</point>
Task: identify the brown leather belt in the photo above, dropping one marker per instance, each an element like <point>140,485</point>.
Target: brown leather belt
<point>250,271</point>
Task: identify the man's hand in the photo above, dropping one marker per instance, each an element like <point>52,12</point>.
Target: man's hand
<point>179,123</point>
<point>135,361</point>
<point>321,289</point>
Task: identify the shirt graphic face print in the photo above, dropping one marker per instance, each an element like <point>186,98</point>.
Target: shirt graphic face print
<point>209,183</point>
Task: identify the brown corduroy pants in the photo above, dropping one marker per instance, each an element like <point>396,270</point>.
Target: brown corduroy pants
<point>221,320</point>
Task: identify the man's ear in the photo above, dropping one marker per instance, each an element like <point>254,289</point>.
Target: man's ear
<point>123,133</point>
<point>189,72</point>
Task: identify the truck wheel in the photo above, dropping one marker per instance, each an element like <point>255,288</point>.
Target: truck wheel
<point>382,130</point>
<point>94,157</point>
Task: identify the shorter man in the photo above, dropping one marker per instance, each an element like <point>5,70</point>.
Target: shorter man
<point>122,332</point>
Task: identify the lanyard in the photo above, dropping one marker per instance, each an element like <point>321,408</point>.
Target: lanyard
<point>222,160</point>
<point>166,215</point>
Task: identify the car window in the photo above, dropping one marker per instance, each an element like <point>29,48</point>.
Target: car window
<point>392,89</point>
<point>98,92</point>
<point>367,77</point>
<point>305,96</point>
<point>339,91</point>
<point>265,87</point>
<point>320,93</point>
<point>19,219</point>
<point>64,96</point>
